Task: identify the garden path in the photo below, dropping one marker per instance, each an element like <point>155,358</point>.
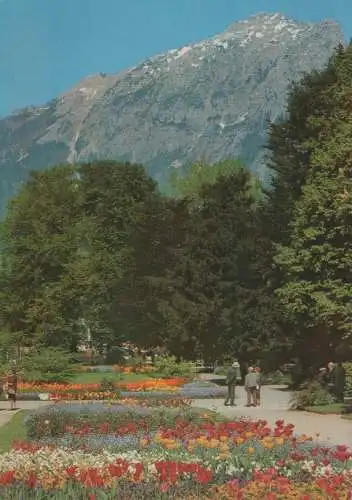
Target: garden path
<point>275,406</point>
<point>6,414</point>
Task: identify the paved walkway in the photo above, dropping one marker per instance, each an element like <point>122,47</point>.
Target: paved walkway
<point>275,404</point>
<point>6,414</point>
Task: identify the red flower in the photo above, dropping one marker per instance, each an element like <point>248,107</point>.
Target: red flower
<point>31,480</point>
<point>7,478</point>
<point>164,487</point>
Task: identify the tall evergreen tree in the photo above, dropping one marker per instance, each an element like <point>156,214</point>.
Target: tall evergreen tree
<point>38,243</point>
<point>204,292</point>
<point>292,140</point>
<point>116,200</point>
<point>317,261</point>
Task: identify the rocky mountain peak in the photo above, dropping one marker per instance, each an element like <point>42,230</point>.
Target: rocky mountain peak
<point>210,99</point>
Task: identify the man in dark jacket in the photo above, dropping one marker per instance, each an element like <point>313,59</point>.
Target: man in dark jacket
<point>233,376</point>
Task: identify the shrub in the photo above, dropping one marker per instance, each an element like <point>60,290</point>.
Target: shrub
<point>348,386</point>
<point>276,378</point>
<point>168,366</point>
<point>115,356</point>
<point>136,362</point>
<point>48,365</point>
<point>311,394</point>
<point>107,384</point>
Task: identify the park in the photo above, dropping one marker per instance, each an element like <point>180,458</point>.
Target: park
<point>129,430</point>
<point>124,308</point>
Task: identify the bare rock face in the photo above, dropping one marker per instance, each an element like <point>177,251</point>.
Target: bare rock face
<point>211,100</point>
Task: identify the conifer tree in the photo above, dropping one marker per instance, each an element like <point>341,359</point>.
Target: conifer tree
<point>317,261</point>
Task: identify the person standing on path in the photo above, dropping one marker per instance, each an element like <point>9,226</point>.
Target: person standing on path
<point>250,385</point>
<point>258,386</point>
<point>233,376</point>
<point>11,387</point>
<point>331,378</point>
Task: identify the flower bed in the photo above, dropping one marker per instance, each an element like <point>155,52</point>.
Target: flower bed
<point>143,385</point>
<point>160,388</point>
<point>126,369</point>
<point>199,458</point>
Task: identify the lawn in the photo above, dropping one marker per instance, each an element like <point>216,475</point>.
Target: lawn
<point>332,409</point>
<point>13,431</point>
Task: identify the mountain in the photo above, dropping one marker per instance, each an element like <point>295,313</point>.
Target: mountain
<point>209,100</point>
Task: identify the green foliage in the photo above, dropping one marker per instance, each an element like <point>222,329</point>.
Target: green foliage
<point>311,394</point>
<point>276,378</point>
<point>348,386</point>
<point>12,431</point>
<point>318,261</point>
<point>291,142</point>
<point>168,366</point>
<point>212,295</point>
<point>107,384</point>
<point>38,241</point>
<point>189,184</point>
<point>115,356</point>
<point>308,215</point>
<point>51,364</point>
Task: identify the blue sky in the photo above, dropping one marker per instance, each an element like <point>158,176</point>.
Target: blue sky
<point>46,46</point>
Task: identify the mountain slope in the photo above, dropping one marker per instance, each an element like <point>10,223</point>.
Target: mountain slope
<point>211,99</point>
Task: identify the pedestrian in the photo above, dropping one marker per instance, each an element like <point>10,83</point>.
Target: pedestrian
<point>331,377</point>
<point>323,377</point>
<point>11,387</point>
<point>250,385</point>
<point>258,386</point>
<point>233,376</point>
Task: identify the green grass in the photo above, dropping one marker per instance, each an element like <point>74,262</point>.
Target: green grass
<point>96,378</point>
<point>335,408</point>
<point>13,431</point>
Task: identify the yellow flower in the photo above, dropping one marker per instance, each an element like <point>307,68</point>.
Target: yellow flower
<point>250,450</point>
<point>224,447</point>
<point>223,456</point>
<point>214,443</point>
<point>143,442</point>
